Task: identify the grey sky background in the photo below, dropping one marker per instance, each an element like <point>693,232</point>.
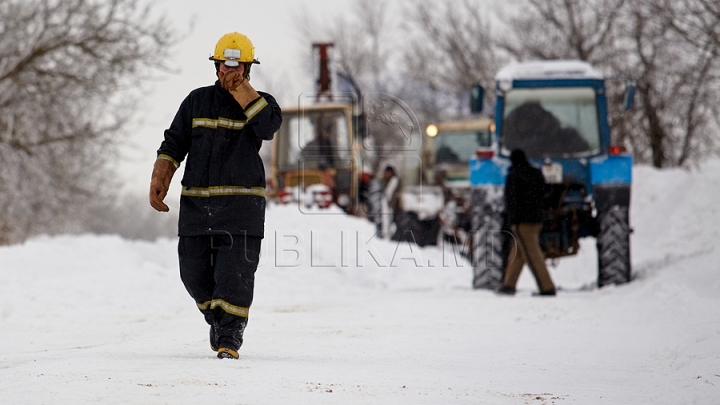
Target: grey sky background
<point>279,47</point>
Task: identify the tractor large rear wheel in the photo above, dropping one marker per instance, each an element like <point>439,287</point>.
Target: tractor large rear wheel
<point>613,246</point>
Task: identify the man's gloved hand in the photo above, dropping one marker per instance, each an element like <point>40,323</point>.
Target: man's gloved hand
<point>238,86</point>
<point>160,183</point>
<point>230,81</point>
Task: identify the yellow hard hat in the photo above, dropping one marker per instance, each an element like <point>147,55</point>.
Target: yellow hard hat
<point>234,48</point>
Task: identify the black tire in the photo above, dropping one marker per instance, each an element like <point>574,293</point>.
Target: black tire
<point>409,228</point>
<point>487,239</point>
<point>613,246</point>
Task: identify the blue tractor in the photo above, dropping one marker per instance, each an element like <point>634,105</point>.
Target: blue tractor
<point>557,112</point>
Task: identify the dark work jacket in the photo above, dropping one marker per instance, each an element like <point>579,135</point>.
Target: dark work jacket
<point>224,181</point>
<point>524,193</point>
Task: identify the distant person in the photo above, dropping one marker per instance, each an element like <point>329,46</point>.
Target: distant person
<point>320,150</point>
<point>390,199</point>
<point>220,129</point>
<point>524,193</point>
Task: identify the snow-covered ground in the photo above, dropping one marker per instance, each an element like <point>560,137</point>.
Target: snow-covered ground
<point>342,317</point>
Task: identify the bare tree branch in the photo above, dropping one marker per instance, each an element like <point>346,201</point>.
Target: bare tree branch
<point>62,64</point>
<point>669,46</point>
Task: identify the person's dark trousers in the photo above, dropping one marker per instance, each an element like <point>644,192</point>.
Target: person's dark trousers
<point>219,273</point>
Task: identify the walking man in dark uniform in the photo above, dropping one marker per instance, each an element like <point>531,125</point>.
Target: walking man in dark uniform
<point>220,129</point>
<point>524,192</point>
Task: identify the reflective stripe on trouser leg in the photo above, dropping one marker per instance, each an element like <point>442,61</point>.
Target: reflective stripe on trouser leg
<point>233,260</point>
<point>235,266</point>
<point>225,306</point>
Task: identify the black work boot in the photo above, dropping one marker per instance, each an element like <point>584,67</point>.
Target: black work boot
<point>505,290</point>
<point>549,293</point>
<point>227,353</point>
<point>229,341</point>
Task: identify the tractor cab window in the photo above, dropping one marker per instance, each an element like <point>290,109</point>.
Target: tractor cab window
<point>315,140</point>
<point>459,146</point>
<point>551,122</point>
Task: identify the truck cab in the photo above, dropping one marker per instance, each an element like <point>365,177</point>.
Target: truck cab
<point>448,148</point>
<point>314,159</point>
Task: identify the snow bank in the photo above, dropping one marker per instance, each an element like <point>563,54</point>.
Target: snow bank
<point>343,317</point>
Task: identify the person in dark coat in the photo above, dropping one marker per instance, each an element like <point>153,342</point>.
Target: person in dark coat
<point>524,192</point>
<point>220,130</point>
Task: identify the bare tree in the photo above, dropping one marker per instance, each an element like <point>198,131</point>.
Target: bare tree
<point>63,68</point>
<point>695,20</point>
<point>561,29</point>
<point>697,23</point>
<point>676,72</point>
<point>362,45</point>
<point>449,52</point>
<point>111,217</point>
<point>677,80</point>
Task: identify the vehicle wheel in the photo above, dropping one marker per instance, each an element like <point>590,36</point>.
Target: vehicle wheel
<point>487,239</point>
<point>409,228</point>
<point>432,231</point>
<point>613,246</point>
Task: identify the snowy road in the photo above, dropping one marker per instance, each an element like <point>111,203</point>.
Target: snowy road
<point>340,317</point>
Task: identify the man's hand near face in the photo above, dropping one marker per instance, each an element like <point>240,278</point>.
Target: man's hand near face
<point>232,79</point>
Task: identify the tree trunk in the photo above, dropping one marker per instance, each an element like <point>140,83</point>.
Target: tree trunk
<point>656,133</point>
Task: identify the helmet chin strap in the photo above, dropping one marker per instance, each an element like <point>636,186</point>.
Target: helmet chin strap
<point>247,71</point>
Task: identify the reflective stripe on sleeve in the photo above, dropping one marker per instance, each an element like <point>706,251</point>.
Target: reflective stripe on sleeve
<point>226,306</point>
<point>222,190</point>
<point>256,108</point>
<point>167,157</point>
<point>220,122</point>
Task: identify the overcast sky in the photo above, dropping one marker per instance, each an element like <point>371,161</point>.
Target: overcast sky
<point>270,25</point>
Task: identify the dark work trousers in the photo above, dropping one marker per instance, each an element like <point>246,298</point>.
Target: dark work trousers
<point>526,249</point>
<point>219,273</point>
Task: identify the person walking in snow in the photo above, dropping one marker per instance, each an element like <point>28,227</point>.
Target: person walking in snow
<point>524,192</point>
<point>220,129</point>
<point>390,200</point>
